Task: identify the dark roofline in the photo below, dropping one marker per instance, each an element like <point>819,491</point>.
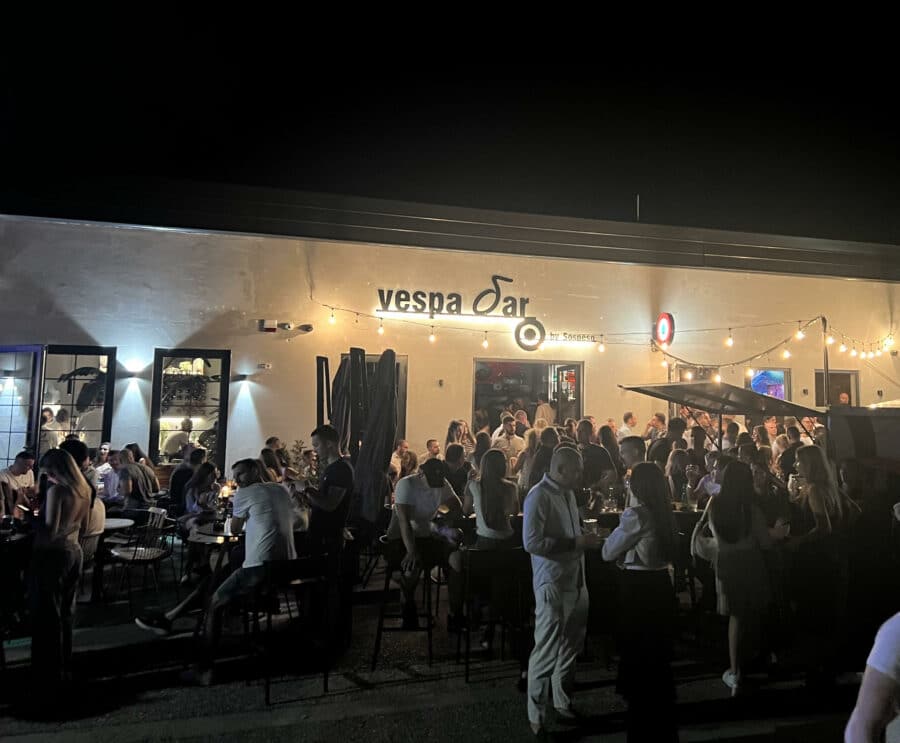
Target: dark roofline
<point>266,211</point>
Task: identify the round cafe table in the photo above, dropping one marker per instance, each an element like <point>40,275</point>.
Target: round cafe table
<point>112,525</point>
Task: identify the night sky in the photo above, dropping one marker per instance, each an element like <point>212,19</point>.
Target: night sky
<point>793,153</point>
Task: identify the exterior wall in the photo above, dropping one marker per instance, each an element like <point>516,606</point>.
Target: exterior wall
<point>138,289</point>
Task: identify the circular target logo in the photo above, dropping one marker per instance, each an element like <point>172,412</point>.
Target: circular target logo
<point>530,334</point>
<point>664,329</point>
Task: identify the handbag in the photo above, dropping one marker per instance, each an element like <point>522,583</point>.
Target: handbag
<point>703,544</point>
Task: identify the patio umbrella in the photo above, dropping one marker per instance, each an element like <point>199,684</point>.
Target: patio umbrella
<point>371,472</point>
<point>340,403</point>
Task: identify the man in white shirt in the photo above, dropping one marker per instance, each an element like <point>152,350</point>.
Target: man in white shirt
<point>551,534</point>
<point>396,466</point>
<point>175,441</point>
<point>432,450</point>
<point>506,440</point>
<point>18,480</point>
<point>879,693</point>
<point>628,429</point>
<point>264,511</point>
<point>411,536</point>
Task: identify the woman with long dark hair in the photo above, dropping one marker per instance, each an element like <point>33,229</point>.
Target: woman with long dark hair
<point>643,546</point>
<point>56,566</point>
<point>742,579</point>
<point>200,497</point>
<point>607,439</point>
<point>146,465</point>
<point>482,445</point>
<point>493,499</point>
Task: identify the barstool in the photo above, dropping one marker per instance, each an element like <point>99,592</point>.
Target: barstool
<point>426,614</point>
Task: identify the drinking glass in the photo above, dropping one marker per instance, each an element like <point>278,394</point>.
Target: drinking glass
<point>591,526</point>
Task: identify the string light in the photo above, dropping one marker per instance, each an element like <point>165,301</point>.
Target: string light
<point>664,364</point>
<point>749,372</point>
<point>854,352</point>
<point>432,338</point>
<point>830,340</point>
<point>689,375</point>
<point>890,341</point>
<point>717,378</point>
<point>381,327</point>
<point>332,320</point>
<point>843,346</point>
<point>357,318</point>
<point>729,341</point>
<point>664,346</point>
<point>484,343</point>
<point>878,351</point>
<point>601,346</point>
<point>799,335</point>
<point>786,354</point>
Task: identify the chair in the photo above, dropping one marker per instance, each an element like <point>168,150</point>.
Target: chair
<point>315,574</point>
<point>149,546</point>
<point>508,575</point>
<point>89,544</point>
<point>427,614</point>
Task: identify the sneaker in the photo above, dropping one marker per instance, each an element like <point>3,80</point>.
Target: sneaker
<point>732,681</point>
<point>157,624</point>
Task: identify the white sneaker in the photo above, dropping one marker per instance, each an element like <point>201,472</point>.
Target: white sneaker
<point>732,681</point>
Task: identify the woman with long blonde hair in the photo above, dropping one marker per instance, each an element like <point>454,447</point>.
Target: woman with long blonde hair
<point>56,566</point>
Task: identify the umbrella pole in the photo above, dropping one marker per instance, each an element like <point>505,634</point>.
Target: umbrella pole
<point>705,432</point>
<point>826,386</point>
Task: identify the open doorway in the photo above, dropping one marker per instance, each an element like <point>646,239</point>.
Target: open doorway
<point>843,387</point>
<point>500,385</point>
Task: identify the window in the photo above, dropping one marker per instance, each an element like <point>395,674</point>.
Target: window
<point>78,390</point>
<point>190,403</point>
<point>771,382</point>
<point>505,384</point>
<point>844,383</point>
<point>20,372</point>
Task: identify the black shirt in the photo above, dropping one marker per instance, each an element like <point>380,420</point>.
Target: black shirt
<point>788,460</point>
<point>180,478</point>
<point>459,479</point>
<point>540,466</point>
<point>327,527</point>
<point>596,461</point>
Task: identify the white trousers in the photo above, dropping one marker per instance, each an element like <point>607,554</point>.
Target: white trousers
<point>560,624</point>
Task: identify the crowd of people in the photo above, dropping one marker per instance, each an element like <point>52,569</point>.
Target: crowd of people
<point>770,546</point>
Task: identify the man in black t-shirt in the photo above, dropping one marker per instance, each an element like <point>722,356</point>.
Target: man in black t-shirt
<point>595,458</point>
<point>182,476</point>
<point>458,469</point>
<point>331,501</point>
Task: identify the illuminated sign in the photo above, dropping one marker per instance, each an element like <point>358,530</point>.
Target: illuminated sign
<point>486,302</point>
<point>664,329</point>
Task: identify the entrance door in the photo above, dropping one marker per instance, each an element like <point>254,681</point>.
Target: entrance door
<point>21,370</point>
<point>567,390</point>
<point>840,383</point>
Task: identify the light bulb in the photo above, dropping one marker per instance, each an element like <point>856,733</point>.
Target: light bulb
<point>890,341</point>
<point>830,340</point>
<point>729,341</point>
<point>332,320</point>
<point>381,327</point>
<point>664,364</point>
<point>842,348</point>
<point>799,335</point>
<point>432,338</point>
<point>601,346</point>
<point>541,347</point>
<point>689,376</point>
<point>878,352</point>
<point>664,346</point>
<point>785,354</point>
<point>717,378</point>
<point>871,354</point>
<point>484,343</point>
<point>854,352</point>
<point>749,372</point>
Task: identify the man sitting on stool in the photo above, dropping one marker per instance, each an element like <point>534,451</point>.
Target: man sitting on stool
<point>412,536</point>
